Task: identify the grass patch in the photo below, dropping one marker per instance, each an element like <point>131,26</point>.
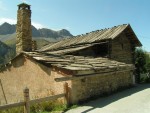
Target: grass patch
<point>49,106</point>
<point>70,107</point>
<point>13,110</point>
<point>44,107</point>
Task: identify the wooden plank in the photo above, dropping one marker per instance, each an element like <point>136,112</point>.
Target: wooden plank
<point>88,75</point>
<point>26,100</point>
<point>67,94</point>
<point>76,68</point>
<point>51,62</point>
<point>51,59</point>
<point>81,65</point>
<point>47,98</point>
<point>81,62</point>
<point>8,106</point>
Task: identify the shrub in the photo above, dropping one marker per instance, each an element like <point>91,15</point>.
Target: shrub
<point>47,106</point>
<point>43,107</point>
<point>13,110</point>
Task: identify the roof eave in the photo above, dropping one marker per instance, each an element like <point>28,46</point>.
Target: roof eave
<point>138,44</point>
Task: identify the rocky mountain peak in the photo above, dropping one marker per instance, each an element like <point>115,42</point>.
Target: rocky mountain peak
<point>7,28</point>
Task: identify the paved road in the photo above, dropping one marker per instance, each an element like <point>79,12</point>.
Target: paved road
<point>134,100</point>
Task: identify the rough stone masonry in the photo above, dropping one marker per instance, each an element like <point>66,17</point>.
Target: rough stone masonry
<point>23,30</point>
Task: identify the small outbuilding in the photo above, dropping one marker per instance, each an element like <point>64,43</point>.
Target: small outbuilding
<point>93,64</point>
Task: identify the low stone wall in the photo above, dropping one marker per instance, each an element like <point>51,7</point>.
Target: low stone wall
<point>99,85</point>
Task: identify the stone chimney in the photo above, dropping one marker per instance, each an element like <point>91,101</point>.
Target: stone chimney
<point>24,29</point>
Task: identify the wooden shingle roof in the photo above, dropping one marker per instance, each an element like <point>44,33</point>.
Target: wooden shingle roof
<point>92,37</point>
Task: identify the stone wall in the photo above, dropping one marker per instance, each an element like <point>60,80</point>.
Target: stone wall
<point>23,30</point>
<point>121,49</point>
<point>100,85</point>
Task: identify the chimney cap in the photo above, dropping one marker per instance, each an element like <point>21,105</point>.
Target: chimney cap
<point>23,5</point>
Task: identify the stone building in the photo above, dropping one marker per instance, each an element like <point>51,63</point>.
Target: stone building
<point>95,63</point>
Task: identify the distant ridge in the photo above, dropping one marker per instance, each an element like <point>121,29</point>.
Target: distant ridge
<point>7,28</point>
<point>42,36</point>
<point>6,53</point>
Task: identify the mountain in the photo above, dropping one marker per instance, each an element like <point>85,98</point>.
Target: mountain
<point>35,32</point>
<point>10,40</point>
<point>44,32</point>
<point>42,36</point>
<point>7,28</point>
<point>6,53</point>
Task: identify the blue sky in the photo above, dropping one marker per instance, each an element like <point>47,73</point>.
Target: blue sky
<point>82,16</point>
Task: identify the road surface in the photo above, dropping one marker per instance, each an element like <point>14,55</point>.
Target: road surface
<point>133,100</point>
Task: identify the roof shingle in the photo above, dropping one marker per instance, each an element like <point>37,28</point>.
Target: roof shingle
<point>95,36</point>
<point>80,63</point>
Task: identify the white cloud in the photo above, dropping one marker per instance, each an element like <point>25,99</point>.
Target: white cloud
<point>14,21</point>
<point>8,20</point>
<point>37,25</point>
<point>58,29</point>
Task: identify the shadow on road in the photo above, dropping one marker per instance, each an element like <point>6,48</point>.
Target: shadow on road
<point>104,101</point>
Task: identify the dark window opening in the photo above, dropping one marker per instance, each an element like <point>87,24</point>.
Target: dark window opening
<point>98,50</point>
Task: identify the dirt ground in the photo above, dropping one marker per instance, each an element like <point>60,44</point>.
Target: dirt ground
<point>133,100</point>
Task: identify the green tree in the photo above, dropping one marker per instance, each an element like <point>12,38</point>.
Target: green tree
<point>148,63</point>
<point>1,60</point>
<point>140,63</point>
